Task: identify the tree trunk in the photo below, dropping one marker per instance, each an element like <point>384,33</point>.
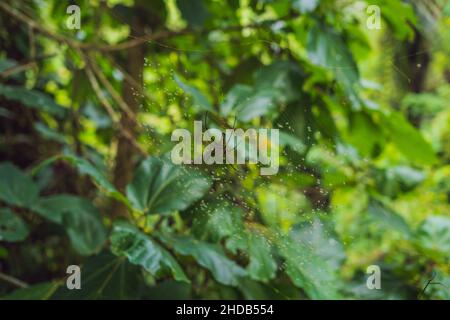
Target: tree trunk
<point>126,152</point>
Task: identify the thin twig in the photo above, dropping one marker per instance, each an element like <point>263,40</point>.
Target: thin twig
<point>109,109</point>
<point>108,86</point>
<point>13,281</point>
<point>24,66</point>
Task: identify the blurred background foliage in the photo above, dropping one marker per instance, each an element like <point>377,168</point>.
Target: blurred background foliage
<point>86,117</point>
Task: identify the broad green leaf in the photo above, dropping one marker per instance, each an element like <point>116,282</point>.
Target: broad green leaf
<point>321,239</point>
<point>236,94</point>
<point>80,219</point>
<point>433,237</point>
<point>209,256</point>
<point>225,219</point>
<point>41,291</point>
<point>12,227</point>
<point>260,103</point>
<point>105,276</point>
<point>247,103</point>
<point>387,217</point>
<point>408,140</point>
<point>284,77</point>
<point>278,83</point>
<point>161,187</point>
<point>262,265</point>
<point>16,188</point>
<point>326,48</point>
<point>200,100</point>
<point>141,250</point>
<point>309,271</point>
<point>85,167</point>
<point>220,220</point>
<point>32,99</point>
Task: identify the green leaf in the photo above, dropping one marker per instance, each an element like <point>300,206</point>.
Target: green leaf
<point>169,290</point>
<point>309,271</point>
<point>393,180</point>
<point>305,6</point>
<point>248,104</point>
<point>6,64</point>
<point>105,276</point>
<point>209,256</point>
<point>41,291</point>
<point>16,188</point>
<point>236,94</point>
<point>225,219</point>
<point>326,48</point>
<point>12,227</point>
<point>388,217</point>
<point>141,250</point>
<point>433,237</point>
<point>278,83</point>
<point>200,100</point>
<point>85,167</point>
<point>284,77</point>
<point>262,266</point>
<point>161,187</point>
<point>32,99</point>
<point>296,144</point>
<point>80,218</point>
<point>49,133</point>
<point>364,133</point>
<point>258,104</point>
<point>408,140</point>
<point>400,16</point>
<point>322,240</point>
<point>193,11</point>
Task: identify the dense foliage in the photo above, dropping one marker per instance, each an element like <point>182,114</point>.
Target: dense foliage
<point>86,117</point>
